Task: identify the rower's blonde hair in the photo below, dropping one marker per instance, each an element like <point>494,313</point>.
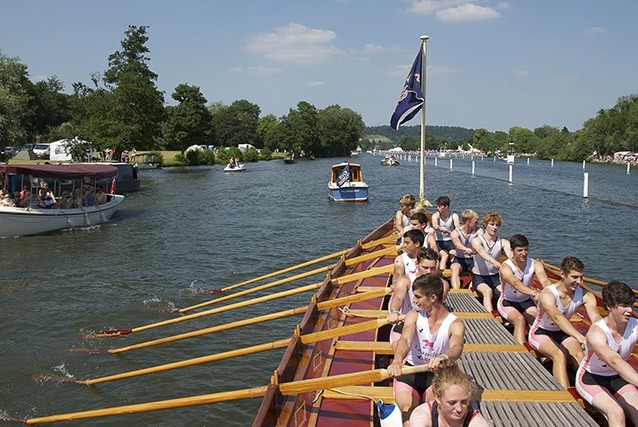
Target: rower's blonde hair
<point>448,374</point>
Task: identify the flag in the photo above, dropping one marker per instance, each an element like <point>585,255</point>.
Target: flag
<point>411,99</point>
<point>344,176</point>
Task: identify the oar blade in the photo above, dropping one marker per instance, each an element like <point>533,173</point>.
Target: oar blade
<point>105,334</point>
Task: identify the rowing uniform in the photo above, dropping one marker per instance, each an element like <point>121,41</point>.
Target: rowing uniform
<point>408,304</point>
<point>511,299</point>
<point>484,271</point>
<point>409,266</point>
<point>443,240</point>
<point>595,376</point>
<point>466,261</point>
<point>544,327</point>
<point>430,410</point>
<point>425,346</point>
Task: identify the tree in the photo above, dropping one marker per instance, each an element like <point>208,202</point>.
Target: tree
<point>135,101</point>
<point>236,124</point>
<point>15,99</point>
<point>300,129</point>
<point>188,123</point>
<point>51,106</point>
<point>339,130</point>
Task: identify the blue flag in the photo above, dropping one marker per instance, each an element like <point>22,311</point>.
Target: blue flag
<point>411,98</point>
<point>344,176</point>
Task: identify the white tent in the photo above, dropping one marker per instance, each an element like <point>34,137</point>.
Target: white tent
<point>59,151</point>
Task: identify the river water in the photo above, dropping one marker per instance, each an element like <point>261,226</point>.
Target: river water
<point>199,228</point>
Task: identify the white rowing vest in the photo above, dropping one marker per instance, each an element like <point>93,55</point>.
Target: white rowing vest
<point>408,301</point>
<point>527,277</point>
<point>409,266</point>
<point>593,364</point>
<point>426,345</point>
<point>448,224</point>
<point>482,267</point>
<point>543,320</point>
<point>466,240</point>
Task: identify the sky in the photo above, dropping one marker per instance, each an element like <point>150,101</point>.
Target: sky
<point>490,64</point>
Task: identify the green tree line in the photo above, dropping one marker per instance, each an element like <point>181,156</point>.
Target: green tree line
<point>122,108</point>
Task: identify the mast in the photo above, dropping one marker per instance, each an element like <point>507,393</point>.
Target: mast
<point>422,200</point>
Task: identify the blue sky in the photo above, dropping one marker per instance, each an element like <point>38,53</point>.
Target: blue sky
<point>490,64</point>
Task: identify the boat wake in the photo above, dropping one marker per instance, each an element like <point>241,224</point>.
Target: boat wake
<point>193,289</point>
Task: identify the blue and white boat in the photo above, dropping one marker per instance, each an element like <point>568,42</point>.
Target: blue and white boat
<point>346,183</point>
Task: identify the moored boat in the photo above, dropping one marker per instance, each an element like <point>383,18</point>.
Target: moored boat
<point>346,183</point>
<point>24,221</point>
<point>144,160</point>
<point>289,160</point>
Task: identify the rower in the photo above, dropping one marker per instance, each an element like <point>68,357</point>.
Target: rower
<point>517,302</point>
<point>462,239</point>
<point>429,335</point>
<point>604,378</point>
<point>443,223</point>
<point>405,263</point>
<point>552,333</point>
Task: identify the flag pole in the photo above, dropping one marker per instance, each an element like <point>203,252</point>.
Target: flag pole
<point>422,200</point>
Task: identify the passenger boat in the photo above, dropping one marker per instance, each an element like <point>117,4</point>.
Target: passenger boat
<point>17,221</point>
<point>128,178</point>
<point>346,183</point>
<point>235,167</point>
<point>389,161</point>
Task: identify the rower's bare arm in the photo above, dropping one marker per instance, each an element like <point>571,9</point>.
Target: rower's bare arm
<point>480,250</point>
<point>507,248</point>
<point>507,275</point>
<point>399,268</point>
<point>403,344</point>
<point>455,220</point>
<point>589,301</point>
<point>548,303</point>
<point>399,293</point>
<point>457,339</point>
<point>456,240</point>
<point>541,275</point>
<point>597,341</point>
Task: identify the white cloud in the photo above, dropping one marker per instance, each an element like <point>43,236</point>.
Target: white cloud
<point>455,10</point>
<point>374,48</point>
<point>594,31</point>
<point>467,12</point>
<point>522,73</point>
<point>315,84</point>
<point>295,43</point>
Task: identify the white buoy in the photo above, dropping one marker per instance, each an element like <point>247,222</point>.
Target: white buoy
<point>473,165</point>
<point>450,164</point>
<point>552,162</point>
<point>436,161</point>
<point>511,173</point>
<point>586,185</point>
<point>528,161</point>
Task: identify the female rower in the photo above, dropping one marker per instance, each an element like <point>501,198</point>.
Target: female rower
<point>452,406</point>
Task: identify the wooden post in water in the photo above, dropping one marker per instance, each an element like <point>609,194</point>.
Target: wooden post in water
<point>586,185</point>
<point>552,162</point>
<point>450,164</point>
<point>528,161</point>
<point>511,173</point>
<point>436,162</point>
<point>628,167</point>
<point>584,164</point>
<point>473,165</point>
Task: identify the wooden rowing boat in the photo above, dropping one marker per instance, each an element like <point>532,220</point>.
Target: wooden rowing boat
<point>332,370</point>
<point>513,381</point>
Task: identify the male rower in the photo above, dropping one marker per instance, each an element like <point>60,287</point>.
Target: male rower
<point>405,263</point>
<point>552,333</point>
<point>517,302</point>
<point>444,222</point>
<point>419,219</point>
<point>402,300</point>
<point>429,336</point>
<point>462,239</point>
<point>604,377</point>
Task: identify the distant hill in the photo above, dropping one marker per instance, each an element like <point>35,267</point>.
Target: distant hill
<point>442,133</point>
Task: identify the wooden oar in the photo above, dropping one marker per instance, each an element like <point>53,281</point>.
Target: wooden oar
<point>367,245</point>
<point>286,389</point>
<point>350,262</point>
<point>305,339</point>
<point>253,320</point>
<point>339,281</point>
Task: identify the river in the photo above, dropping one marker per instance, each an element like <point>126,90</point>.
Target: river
<point>199,228</point>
